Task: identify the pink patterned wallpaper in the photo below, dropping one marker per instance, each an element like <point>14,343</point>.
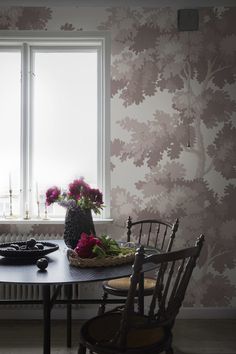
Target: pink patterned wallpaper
<point>173,127</point>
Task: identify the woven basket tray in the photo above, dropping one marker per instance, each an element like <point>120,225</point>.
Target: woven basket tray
<point>99,262</point>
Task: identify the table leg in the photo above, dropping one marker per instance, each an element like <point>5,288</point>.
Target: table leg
<point>46,319</point>
<point>68,289</point>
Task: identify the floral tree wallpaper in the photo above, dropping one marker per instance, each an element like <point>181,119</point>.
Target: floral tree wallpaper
<point>173,127</point>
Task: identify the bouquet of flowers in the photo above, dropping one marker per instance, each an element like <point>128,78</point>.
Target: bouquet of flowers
<point>90,246</point>
<point>79,194</point>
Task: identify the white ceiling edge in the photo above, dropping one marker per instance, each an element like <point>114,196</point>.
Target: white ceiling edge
<point>118,3</point>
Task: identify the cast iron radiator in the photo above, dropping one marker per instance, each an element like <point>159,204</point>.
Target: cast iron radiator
<point>30,292</point>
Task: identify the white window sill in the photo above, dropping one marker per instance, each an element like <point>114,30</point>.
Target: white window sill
<point>49,221</point>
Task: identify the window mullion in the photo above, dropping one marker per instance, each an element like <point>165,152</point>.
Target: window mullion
<point>105,70</point>
<point>30,126</point>
<point>25,69</point>
<point>99,122</point>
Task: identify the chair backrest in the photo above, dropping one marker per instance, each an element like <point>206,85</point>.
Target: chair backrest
<point>174,272</point>
<point>152,232</point>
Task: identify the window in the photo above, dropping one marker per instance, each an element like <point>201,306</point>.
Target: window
<point>54,108</point>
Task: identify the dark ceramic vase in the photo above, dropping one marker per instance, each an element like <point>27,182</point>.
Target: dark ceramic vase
<point>77,221</point>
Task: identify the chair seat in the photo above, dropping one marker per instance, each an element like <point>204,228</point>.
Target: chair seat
<point>99,331</point>
<point>121,286</point>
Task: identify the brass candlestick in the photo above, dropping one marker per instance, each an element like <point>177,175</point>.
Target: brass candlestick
<point>45,212</point>
<point>38,208</point>
<point>27,217</point>
<point>10,195</point>
<point>10,216</point>
<point>37,201</point>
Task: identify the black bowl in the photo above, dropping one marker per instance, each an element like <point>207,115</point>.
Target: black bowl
<point>27,253</point>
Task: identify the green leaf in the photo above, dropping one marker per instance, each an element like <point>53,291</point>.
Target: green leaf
<point>110,246</point>
<point>99,251</point>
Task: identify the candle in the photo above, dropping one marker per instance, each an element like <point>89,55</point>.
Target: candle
<point>26,207</point>
<point>4,210</point>
<point>9,181</point>
<point>37,192</point>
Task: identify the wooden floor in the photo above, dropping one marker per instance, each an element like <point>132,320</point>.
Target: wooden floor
<point>190,337</point>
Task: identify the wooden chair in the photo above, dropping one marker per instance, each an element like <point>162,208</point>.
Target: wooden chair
<point>154,233</point>
<point>126,330</point>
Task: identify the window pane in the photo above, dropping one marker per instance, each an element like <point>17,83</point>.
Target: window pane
<point>65,118</point>
<point>10,88</point>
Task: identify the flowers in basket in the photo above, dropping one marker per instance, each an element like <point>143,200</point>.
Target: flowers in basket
<point>92,251</point>
<point>79,194</point>
<point>90,246</point>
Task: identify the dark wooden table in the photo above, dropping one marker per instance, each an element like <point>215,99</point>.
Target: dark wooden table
<point>59,272</point>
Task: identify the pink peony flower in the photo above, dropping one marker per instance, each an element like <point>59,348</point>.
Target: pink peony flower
<point>52,195</point>
<point>85,245</point>
<point>79,194</point>
<point>77,188</point>
<point>96,196</point>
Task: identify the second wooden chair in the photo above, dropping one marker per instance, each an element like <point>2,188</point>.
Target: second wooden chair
<point>149,233</point>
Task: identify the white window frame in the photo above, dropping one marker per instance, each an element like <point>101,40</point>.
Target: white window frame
<point>28,41</point>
